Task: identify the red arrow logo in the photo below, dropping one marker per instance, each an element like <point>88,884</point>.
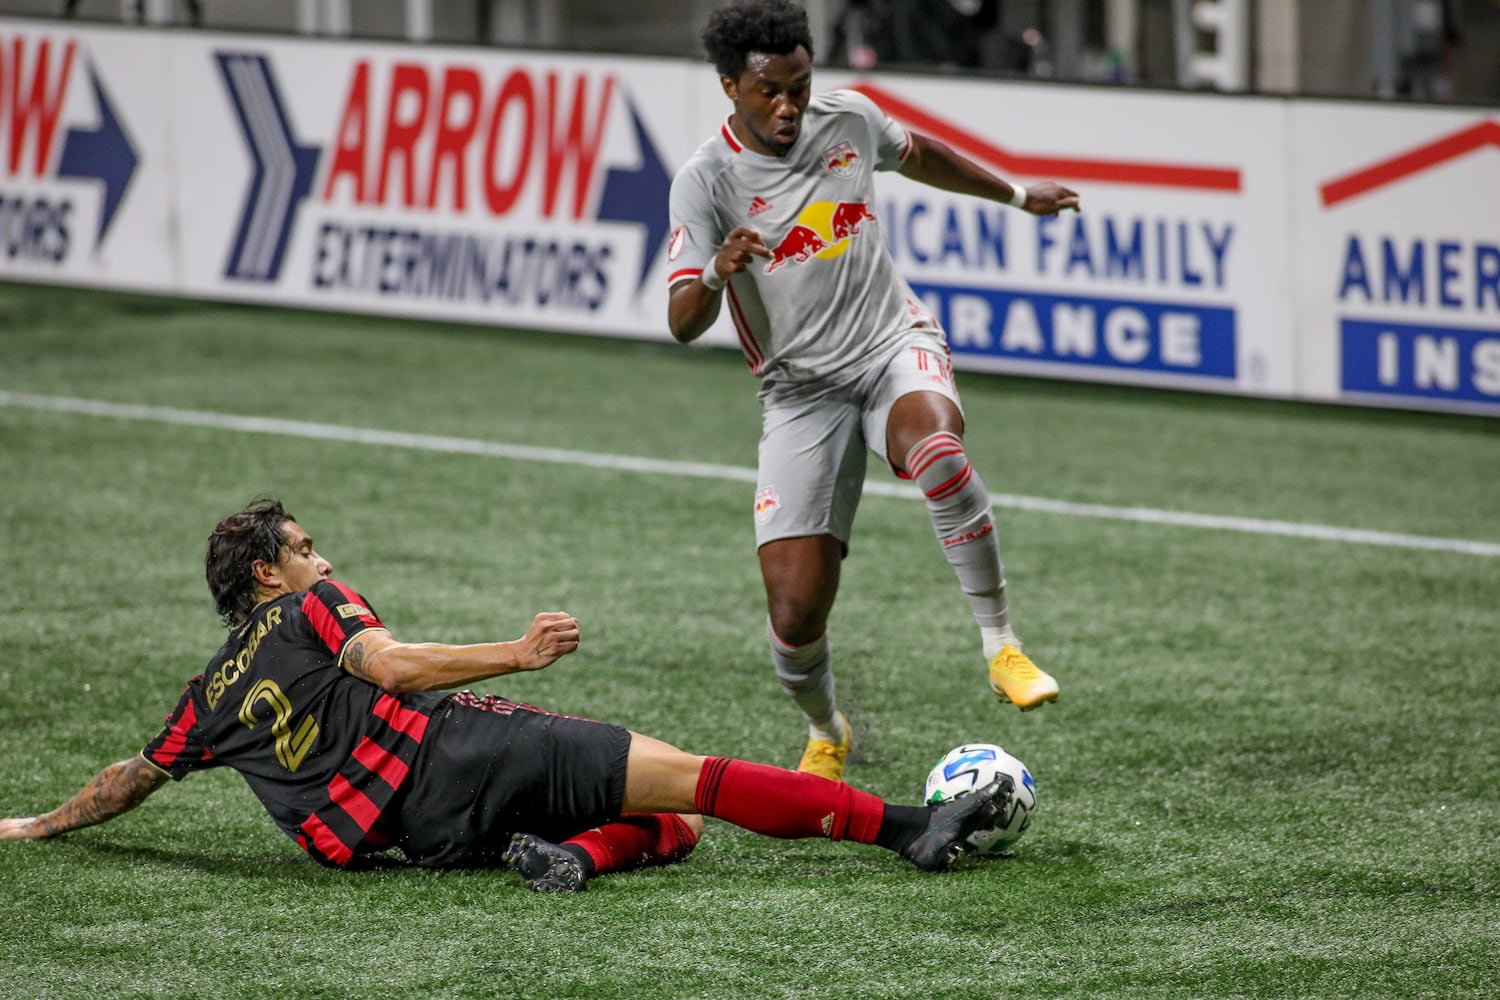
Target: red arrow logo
<point>1059,167</point>
<point>1486,133</point>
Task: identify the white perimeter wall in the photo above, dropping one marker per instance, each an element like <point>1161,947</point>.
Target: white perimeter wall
<point>1309,249</point>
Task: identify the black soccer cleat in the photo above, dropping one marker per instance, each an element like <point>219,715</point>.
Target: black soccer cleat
<point>949,824</point>
<point>545,866</point>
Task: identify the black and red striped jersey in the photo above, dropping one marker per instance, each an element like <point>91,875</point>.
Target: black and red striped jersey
<point>324,751</point>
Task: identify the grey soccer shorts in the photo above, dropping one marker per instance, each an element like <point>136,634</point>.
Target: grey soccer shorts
<point>812,450</point>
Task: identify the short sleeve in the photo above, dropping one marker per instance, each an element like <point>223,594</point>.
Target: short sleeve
<point>178,749</point>
<point>337,614</point>
<point>890,140</point>
<point>696,232</point>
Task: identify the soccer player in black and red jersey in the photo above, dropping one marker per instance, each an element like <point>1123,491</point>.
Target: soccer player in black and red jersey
<point>352,743</point>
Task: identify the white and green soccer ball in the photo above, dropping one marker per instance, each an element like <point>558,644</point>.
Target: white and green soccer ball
<point>970,767</point>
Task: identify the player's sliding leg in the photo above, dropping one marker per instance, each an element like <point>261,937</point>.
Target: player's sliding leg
<point>632,842</point>
<point>767,800</point>
<point>801,577</point>
<point>790,805</point>
<point>959,507</point>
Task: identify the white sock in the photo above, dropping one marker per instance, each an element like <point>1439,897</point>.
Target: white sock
<point>959,507</point>
<point>806,674</point>
<point>833,732</point>
<point>996,638</point>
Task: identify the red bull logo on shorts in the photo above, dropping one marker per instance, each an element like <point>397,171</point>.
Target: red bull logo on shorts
<point>766,504</point>
<point>823,230</point>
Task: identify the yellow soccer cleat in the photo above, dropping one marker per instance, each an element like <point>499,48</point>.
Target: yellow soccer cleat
<point>1014,678</point>
<point>826,759</point>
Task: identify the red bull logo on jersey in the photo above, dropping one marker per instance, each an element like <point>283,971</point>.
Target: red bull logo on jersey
<point>766,504</point>
<point>823,230</point>
<point>840,159</point>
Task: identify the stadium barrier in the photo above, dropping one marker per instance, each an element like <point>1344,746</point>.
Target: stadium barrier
<point>1293,248</point>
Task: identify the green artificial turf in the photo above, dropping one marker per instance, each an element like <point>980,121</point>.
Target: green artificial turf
<point>1272,771</point>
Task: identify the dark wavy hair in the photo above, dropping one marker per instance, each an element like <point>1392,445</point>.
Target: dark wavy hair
<point>774,27</point>
<point>236,543</point>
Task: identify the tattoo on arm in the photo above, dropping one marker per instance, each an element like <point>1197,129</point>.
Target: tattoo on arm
<point>355,660</point>
<point>117,789</point>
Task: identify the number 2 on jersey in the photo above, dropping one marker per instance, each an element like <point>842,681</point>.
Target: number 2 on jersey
<point>290,747</point>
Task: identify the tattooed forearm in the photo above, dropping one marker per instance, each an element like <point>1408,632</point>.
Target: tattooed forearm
<point>114,790</point>
<point>354,661</point>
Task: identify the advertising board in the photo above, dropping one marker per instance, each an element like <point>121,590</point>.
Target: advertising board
<point>1320,250</point>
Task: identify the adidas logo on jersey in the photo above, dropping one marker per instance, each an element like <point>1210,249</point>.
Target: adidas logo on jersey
<point>758,206</point>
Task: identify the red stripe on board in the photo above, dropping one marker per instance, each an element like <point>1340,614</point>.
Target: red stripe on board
<point>1486,133</point>
<point>325,840</point>
<point>1067,168</point>
<point>382,762</point>
<point>406,721</point>
<point>354,802</point>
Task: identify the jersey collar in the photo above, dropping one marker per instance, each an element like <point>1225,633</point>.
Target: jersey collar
<point>729,137</point>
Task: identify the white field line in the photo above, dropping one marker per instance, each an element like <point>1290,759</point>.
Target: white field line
<point>702,470</point>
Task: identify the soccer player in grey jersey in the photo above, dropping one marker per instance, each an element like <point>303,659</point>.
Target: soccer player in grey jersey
<point>773,216</point>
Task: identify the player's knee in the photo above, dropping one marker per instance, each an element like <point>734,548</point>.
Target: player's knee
<point>956,497</point>
<point>796,622</point>
<point>937,463</point>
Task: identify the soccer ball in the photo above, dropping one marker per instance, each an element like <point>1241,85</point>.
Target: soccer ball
<point>970,767</point>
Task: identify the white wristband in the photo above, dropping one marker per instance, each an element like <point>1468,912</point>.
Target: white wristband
<point>710,278</point>
<point>1018,195</point>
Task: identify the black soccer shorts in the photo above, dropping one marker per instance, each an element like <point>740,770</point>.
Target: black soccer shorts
<point>489,768</point>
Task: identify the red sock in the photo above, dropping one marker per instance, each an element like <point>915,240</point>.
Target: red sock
<point>786,804</point>
<point>636,841</point>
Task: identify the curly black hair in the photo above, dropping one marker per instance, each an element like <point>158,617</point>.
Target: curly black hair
<point>236,543</point>
<point>740,27</point>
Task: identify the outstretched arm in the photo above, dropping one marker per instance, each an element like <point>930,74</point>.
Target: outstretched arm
<point>117,789</point>
<point>933,163</point>
<point>397,666</point>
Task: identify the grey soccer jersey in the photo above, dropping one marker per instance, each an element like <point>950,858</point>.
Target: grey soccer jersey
<point>829,303</point>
